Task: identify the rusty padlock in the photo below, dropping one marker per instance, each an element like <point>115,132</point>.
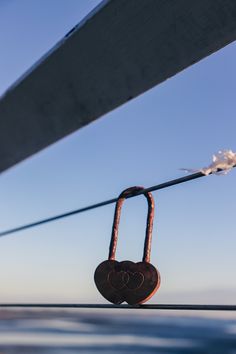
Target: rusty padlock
<point>127,281</point>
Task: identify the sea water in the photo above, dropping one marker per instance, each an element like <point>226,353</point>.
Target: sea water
<point>117,331</point>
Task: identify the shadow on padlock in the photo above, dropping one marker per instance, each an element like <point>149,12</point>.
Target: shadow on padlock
<point>127,281</point>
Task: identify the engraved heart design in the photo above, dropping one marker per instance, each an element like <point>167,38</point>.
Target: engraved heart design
<point>135,280</point>
<point>126,281</point>
<point>120,280</point>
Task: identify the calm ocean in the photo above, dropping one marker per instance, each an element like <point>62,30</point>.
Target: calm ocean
<point>119,331</point>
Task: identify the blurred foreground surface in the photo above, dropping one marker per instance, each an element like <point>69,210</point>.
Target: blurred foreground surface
<point>116,331</point>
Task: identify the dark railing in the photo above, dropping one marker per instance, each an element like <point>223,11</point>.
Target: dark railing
<point>190,307</point>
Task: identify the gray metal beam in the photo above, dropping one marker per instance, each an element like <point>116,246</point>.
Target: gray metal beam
<point>123,49</point>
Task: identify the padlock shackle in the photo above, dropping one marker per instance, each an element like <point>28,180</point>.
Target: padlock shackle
<point>150,216</point>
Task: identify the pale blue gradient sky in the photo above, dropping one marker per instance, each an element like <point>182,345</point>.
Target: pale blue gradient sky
<point>182,121</point>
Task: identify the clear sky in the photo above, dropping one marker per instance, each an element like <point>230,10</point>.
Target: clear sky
<point>182,122</point>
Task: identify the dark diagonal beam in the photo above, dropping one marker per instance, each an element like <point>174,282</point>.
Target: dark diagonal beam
<point>123,49</point>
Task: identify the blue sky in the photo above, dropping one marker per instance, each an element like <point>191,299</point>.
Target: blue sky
<point>182,122</point>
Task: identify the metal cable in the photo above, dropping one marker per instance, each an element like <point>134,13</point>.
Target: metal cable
<point>101,204</point>
<point>189,307</point>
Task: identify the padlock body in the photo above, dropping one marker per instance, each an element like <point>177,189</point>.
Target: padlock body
<point>127,281</point>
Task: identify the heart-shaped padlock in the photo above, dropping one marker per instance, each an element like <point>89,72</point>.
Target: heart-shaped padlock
<point>127,281</point>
